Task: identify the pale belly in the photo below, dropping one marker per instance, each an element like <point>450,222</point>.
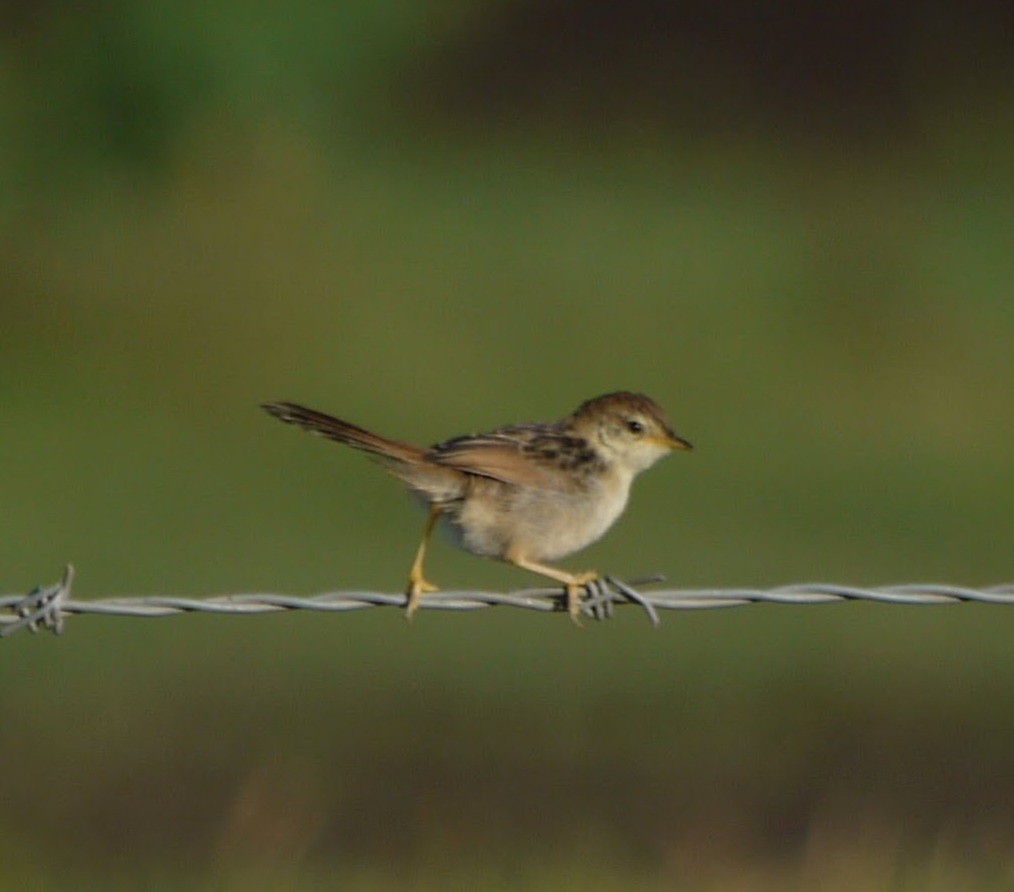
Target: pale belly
<point>495,521</point>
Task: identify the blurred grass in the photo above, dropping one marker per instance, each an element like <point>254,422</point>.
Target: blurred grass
<point>830,325</point>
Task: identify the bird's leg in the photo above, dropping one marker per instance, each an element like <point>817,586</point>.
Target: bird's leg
<point>572,582</point>
<point>417,584</point>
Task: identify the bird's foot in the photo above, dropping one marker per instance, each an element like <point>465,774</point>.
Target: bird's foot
<point>417,586</point>
<point>574,585</point>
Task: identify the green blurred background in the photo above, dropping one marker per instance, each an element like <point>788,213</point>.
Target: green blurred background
<point>790,224</point>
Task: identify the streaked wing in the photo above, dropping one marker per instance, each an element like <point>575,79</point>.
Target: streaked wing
<point>505,454</point>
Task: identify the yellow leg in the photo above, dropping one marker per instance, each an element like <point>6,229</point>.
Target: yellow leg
<point>417,583</point>
<point>572,582</point>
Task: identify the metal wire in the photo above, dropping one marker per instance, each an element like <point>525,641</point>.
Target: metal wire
<point>46,607</point>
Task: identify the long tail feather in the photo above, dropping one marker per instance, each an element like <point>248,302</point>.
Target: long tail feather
<point>342,431</point>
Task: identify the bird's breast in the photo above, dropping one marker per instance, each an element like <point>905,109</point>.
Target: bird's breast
<point>496,519</point>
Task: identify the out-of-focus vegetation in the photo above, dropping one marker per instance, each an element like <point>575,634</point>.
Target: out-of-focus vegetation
<point>793,228</point>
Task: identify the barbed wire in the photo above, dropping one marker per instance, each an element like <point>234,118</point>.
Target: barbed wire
<point>46,607</point>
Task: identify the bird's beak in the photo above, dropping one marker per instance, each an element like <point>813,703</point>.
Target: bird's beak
<point>674,442</point>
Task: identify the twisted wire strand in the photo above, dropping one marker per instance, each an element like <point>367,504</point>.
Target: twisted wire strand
<point>46,607</point>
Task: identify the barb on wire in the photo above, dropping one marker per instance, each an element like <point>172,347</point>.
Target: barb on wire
<point>46,607</point>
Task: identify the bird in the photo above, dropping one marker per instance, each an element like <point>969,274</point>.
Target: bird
<point>527,494</point>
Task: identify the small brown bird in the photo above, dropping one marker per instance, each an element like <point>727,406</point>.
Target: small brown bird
<point>527,493</point>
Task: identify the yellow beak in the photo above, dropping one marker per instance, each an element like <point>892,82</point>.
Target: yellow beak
<point>674,442</point>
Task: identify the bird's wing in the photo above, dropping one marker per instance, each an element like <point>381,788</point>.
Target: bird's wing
<point>503,455</point>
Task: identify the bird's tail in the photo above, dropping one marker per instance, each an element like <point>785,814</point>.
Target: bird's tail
<point>344,432</point>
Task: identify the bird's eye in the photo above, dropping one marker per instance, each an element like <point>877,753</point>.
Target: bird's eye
<point>635,427</point>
